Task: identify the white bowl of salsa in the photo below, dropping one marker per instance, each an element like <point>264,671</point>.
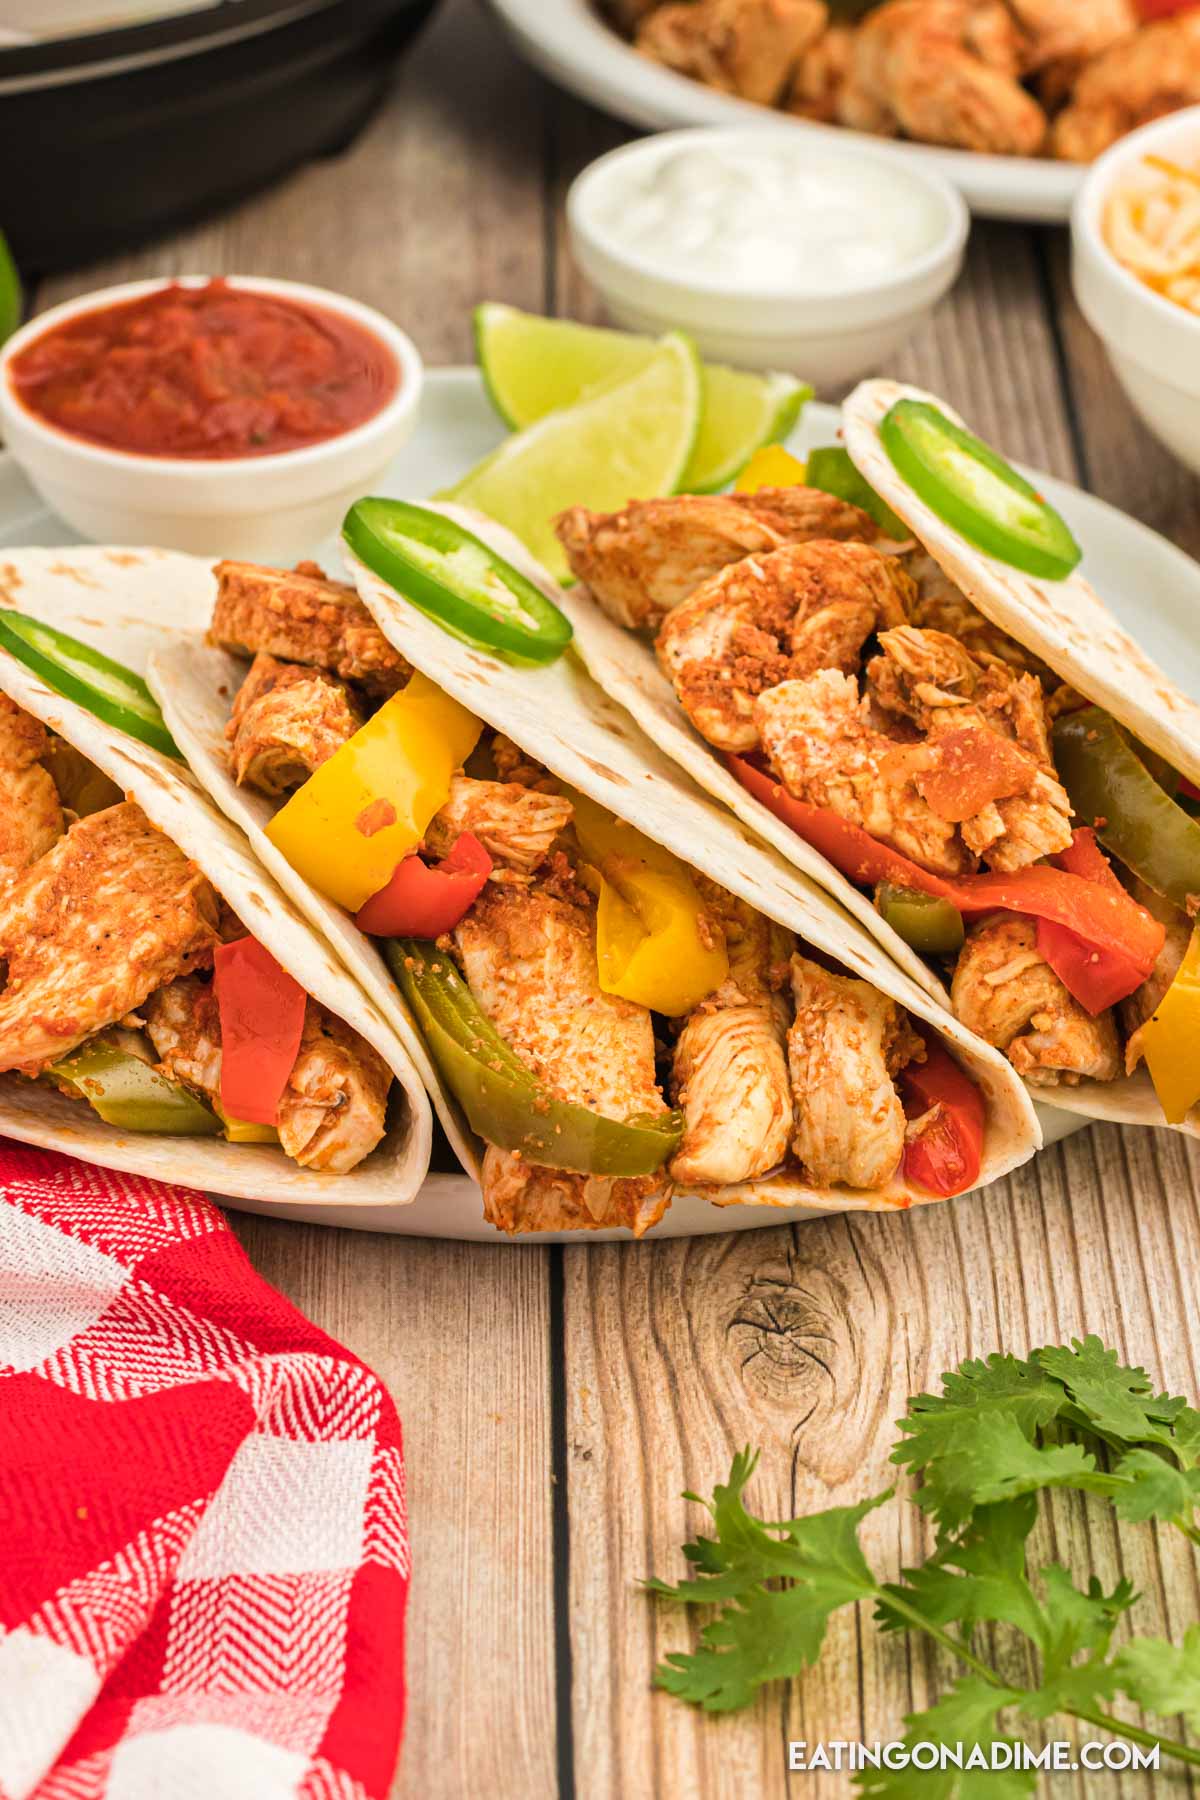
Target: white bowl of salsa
<point>236,416</point>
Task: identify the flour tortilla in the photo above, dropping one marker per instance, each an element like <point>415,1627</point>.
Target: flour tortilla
<point>126,603</point>
<point>560,717</point>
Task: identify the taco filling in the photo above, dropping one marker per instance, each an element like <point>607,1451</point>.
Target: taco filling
<point>1011,831</point>
<point>613,1025</point>
<point>128,983</point>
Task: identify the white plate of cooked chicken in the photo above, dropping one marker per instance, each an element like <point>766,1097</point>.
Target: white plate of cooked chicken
<point>1010,99</point>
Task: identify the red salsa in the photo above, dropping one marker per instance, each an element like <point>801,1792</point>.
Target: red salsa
<point>212,371</point>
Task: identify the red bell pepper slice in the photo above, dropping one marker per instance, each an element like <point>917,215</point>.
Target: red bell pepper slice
<point>1096,977</point>
<point>261,1008</point>
<point>423,900</point>
<point>1150,10</point>
<point>945,1155</point>
<point>1100,913</point>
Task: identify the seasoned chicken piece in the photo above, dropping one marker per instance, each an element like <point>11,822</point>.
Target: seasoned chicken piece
<point>1066,32</point>
<point>184,1025</point>
<point>940,606</point>
<point>846,1045</point>
<point>1138,1008</point>
<point>1154,72</point>
<point>642,561</point>
<point>287,720</point>
<point>31,817</point>
<point>513,765</point>
<point>730,1072</point>
<point>743,47</point>
<point>520,1197</point>
<point>943,72</point>
<point>333,1110</point>
<point>1004,990</point>
<point>776,618</point>
<point>989,768</point>
<point>111,912</point>
<point>298,615</point>
<point>821,74</point>
<point>529,958</point>
<point>821,743</point>
<point>516,825</point>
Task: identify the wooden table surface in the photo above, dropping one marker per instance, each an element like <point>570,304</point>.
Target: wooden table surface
<point>556,1401</point>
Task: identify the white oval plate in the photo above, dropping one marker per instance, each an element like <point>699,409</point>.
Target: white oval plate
<point>1152,587</point>
<point>568,41</point>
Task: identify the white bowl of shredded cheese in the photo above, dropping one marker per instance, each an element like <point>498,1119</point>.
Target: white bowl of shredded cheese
<point>1136,271</point>
<point>771,251</point>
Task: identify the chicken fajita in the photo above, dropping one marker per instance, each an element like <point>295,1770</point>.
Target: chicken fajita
<point>907,687</point>
<point>163,1008</point>
<point>612,1021</point>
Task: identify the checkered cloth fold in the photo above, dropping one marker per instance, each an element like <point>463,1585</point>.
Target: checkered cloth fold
<point>203,1552</point>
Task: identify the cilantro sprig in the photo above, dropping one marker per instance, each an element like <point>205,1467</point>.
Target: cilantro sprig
<point>1001,1433</point>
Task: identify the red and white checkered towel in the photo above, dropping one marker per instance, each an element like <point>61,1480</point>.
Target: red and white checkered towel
<point>203,1555</point>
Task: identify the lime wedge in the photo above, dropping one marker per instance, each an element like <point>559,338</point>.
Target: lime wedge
<point>630,441</point>
<point>533,366</point>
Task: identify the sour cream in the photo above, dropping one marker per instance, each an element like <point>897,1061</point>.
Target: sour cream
<point>772,214</point>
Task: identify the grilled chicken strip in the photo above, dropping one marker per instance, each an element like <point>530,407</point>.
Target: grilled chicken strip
<point>940,606</point>
<point>110,913</point>
<point>333,1111</point>
<point>1066,33</point>
<point>287,720</point>
<point>821,742</point>
<point>31,816</point>
<point>1004,990</point>
<point>520,1197</point>
<point>821,74</point>
<point>990,769</point>
<point>772,619</point>
<point>744,47</point>
<point>298,615</point>
<point>730,1072</point>
<point>529,957</point>
<point>516,825</point>
<point>846,1045</point>
<point>1155,71</point>
<point>943,72</point>
<point>642,561</point>
<point>1141,1005</point>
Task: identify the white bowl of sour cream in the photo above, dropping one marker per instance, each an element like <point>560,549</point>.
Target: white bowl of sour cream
<point>770,251</point>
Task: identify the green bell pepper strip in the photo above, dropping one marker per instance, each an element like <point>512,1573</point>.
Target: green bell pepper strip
<point>976,492</point>
<point>929,924</point>
<point>457,580</point>
<point>501,1096</point>
<point>1134,817</point>
<point>94,681</point>
<point>831,470</point>
<point>131,1094</point>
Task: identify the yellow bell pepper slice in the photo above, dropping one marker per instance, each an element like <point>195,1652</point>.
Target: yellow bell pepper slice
<point>772,466</point>
<point>655,943</point>
<point>357,815</point>
<point>1170,1039</point>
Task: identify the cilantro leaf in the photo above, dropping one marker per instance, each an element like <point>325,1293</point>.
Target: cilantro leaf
<point>933,1423</point>
<point>977,1578</point>
<point>1114,1401</point>
<point>1162,1677</point>
<point>966,1715</point>
<point>988,1459</point>
<point>1145,1486</point>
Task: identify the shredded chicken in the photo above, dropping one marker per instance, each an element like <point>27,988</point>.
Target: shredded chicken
<point>1140,1006</point>
<point>821,742</point>
<point>1069,33</point>
<point>512,765</point>
<point>943,72</point>
<point>516,825</point>
<point>1138,79</point>
<point>298,615</point>
<point>1004,990</point>
<point>940,606</point>
<point>110,913</point>
<point>744,47</point>
<point>989,768</point>
<point>642,561</point>
<point>772,619</point>
<point>31,816</point>
<point>730,1072</point>
<point>333,1111</point>
<point>184,1025</point>
<point>821,74</point>
<point>287,720</point>
<point>520,1197</point>
<point>847,1044</point>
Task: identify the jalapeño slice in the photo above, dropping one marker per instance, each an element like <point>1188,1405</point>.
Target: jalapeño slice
<point>457,580</point>
<point>976,492</point>
<point>106,689</point>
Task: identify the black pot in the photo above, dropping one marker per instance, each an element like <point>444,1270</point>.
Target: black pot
<point>114,136</point>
